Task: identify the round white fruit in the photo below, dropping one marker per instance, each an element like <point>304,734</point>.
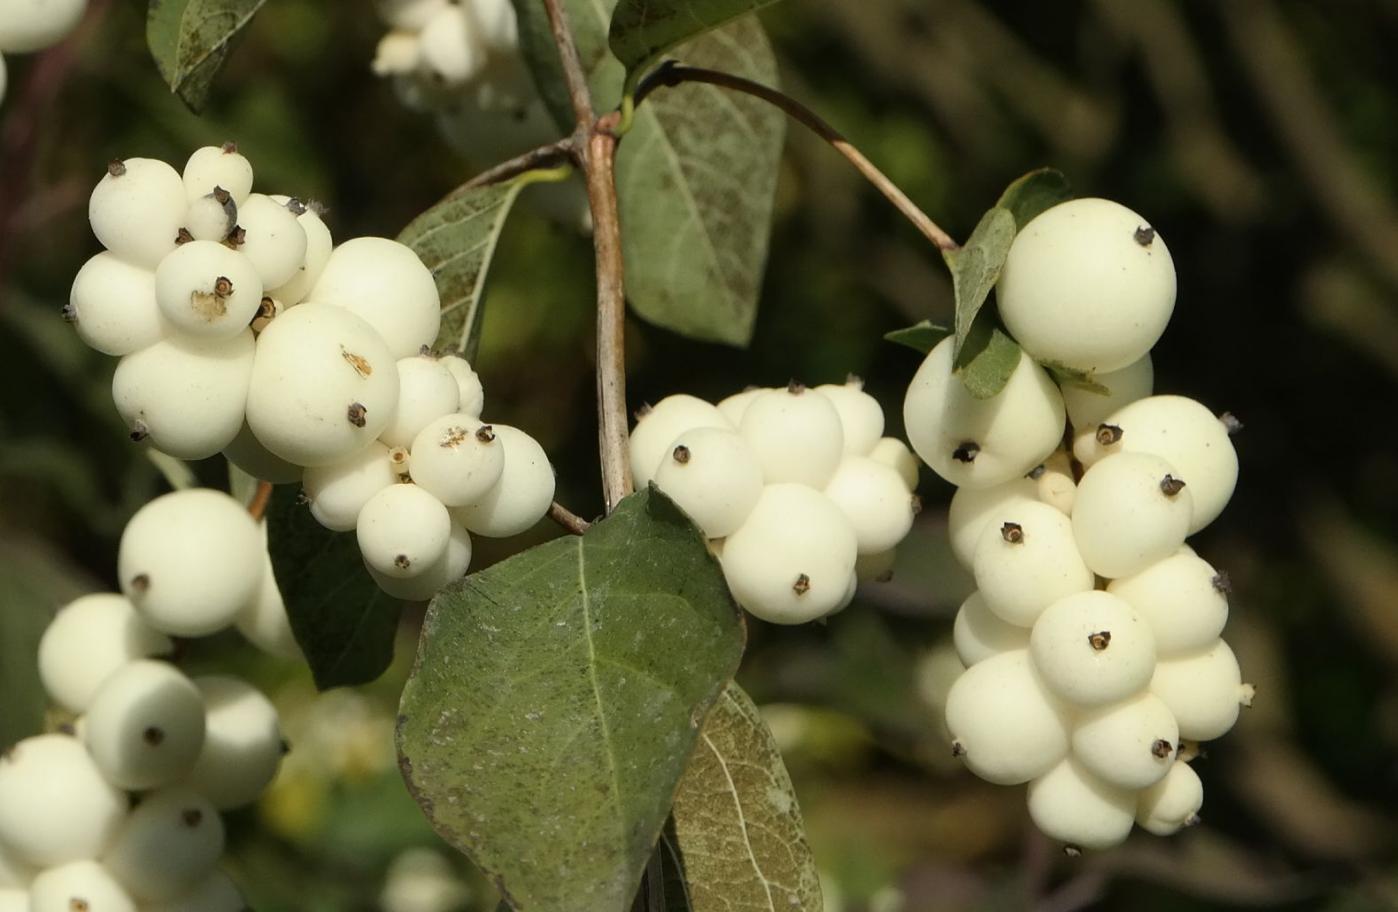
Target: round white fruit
<point>449,568</point>
<point>792,560</point>
<point>242,746</point>
<point>169,843</point>
<point>735,406</point>
<point>1204,691</point>
<point>1183,599</point>
<point>218,166</point>
<point>973,510</point>
<point>324,385</point>
<point>12,900</point>
<point>273,240</point>
<point>1087,409</point>
<point>112,305</point>
<point>398,53</point>
<point>1092,648</point>
<point>215,893</point>
<point>55,807</point>
<point>523,494</point>
<point>211,218</point>
<point>796,435</point>
<point>338,491</point>
<point>80,886</point>
<point>658,427</point>
<point>457,459</point>
<point>713,475</point>
<point>1172,803</point>
<point>1005,725</point>
<point>1028,562</point>
<point>137,210</point>
<point>498,25</point>
<point>427,390</point>
<point>87,641</point>
<point>468,385</point>
<point>386,285</point>
<point>264,622</point>
<point>1087,284</point>
<point>979,633</point>
<point>450,47</point>
<point>875,500</point>
<point>895,454</point>
<point>1075,807</point>
<point>33,25</point>
<point>319,245</point>
<point>1130,744</point>
<point>145,726</point>
<point>403,530</point>
<point>247,453</point>
<point>1055,485</point>
<point>1131,510</point>
<point>190,560</point>
<point>978,443</point>
<point>207,290</point>
<point>861,416</point>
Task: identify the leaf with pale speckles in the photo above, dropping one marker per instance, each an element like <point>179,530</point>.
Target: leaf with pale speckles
<point>190,39</point>
<point>642,30</point>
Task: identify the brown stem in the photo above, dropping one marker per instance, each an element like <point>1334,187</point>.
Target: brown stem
<point>671,74</point>
<point>548,156</point>
<point>573,71</point>
<point>570,521</point>
<point>260,498</point>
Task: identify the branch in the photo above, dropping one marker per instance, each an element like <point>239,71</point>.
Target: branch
<point>671,74</point>
<point>573,71</point>
<point>570,521</point>
<point>549,156</point>
<point>257,509</point>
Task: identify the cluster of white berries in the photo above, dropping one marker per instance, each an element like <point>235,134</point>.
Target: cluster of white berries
<point>1092,643</point>
<point>243,328</point>
<point>191,563</point>
<point>447,43</point>
<point>27,26</point>
<point>798,491</point>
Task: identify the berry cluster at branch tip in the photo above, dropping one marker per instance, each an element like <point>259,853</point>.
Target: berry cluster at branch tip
<point>118,810</point>
<point>1092,650</point>
<point>243,329</point>
<point>796,488</point>
<point>28,26</point>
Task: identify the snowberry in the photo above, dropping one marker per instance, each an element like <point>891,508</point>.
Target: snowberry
<point>1204,691</point>
<point>472,394</point>
<point>80,886</point>
<point>169,843</point>
<point>88,640</point>
<point>1171,803</point>
<point>247,453</point>
<point>55,807</point>
<point>1131,510</point>
<point>338,491</point>
<point>190,560</point>
<point>427,390</point>
<point>324,385</point>
<point>657,428</point>
<point>263,621</point>
<point>457,459</point>
<point>1087,409</point>
<point>875,500</point>
<point>972,510</point>
<point>979,633</point>
<point>861,416</point>
<point>207,290</point>
<point>319,245</point>
<point>523,494</point>
<point>215,893</point>
<point>218,166</point>
<point>112,305</point>
<point>212,217</point>
<point>11,900</point>
<point>1005,724</point>
<point>737,404</point>
<point>33,25</point>
<point>385,284</point>
<point>186,395</point>
<point>713,475</point>
<point>1130,744</point>
<point>398,53</point>
<point>137,210</point>
<point>410,15</point>
<point>1070,804</point>
<point>272,239</point>
<point>450,47</point>
<point>1055,484</point>
<point>242,746</point>
<point>145,726</point>
<point>1028,562</point>
<point>1088,284</point>
<point>498,24</point>
<point>981,442</point>
<point>447,569</point>
<point>1092,648</point>
<point>402,530</point>
<point>796,434</point>
<point>1182,598</point>
<point>792,560</point>
<point>895,454</point>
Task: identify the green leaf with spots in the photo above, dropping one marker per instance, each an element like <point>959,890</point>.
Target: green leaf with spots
<point>975,268</point>
<point>988,359</point>
<point>557,697</point>
<point>642,30</point>
<point>190,39</point>
<point>920,337</point>
<point>1031,194</point>
<point>344,624</point>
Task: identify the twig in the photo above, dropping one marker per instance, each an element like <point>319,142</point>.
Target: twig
<point>547,156</point>
<point>570,521</point>
<point>671,74</point>
<point>257,508</point>
<point>573,72</point>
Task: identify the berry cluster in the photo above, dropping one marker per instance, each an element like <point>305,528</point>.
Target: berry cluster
<point>32,25</point>
<point>1092,643</point>
<point>798,491</point>
<point>191,563</point>
<point>242,328</point>
<point>446,44</point>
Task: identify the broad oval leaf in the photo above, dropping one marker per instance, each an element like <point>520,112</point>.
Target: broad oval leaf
<point>557,697</point>
<point>975,268</point>
<point>1031,194</point>
<point>642,30</point>
<point>988,359</point>
<point>190,39</point>
<point>738,831</point>
<point>456,239</point>
<point>343,622</point>
<point>920,337</point>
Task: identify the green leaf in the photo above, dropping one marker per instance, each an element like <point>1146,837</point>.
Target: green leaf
<point>642,30</point>
<point>343,622</point>
<point>1033,193</point>
<point>737,824</point>
<point>588,20</point>
<point>456,239</point>
<point>556,698</point>
<point>920,337</point>
<point>190,39</point>
<point>1072,376</point>
<point>988,358</point>
<point>975,268</point>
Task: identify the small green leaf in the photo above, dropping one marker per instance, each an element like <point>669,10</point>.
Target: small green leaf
<point>737,824</point>
<point>190,39</point>
<point>975,268</point>
<point>343,622</point>
<point>556,699</point>
<point>988,359</point>
<point>1033,193</point>
<point>642,30</point>
<point>920,337</point>
<point>1072,376</point>
<point>456,239</point>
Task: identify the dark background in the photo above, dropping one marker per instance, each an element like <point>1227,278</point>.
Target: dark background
<point>1260,137</point>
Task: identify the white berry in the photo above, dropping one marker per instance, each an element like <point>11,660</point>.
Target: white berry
<point>1075,807</point>
<point>861,416</point>
<point>1005,724</point>
<point>733,407</point>
<point>979,633</point>
<point>81,886</point>
<point>88,640</point>
<point>11,900</point>
<point>218,166</point>
<point>468,385</point>
<point>55,807</point>
<point>33,25</point>
<point>207,290</point>
<point>1028,562</point>
<point>1055,484</point>
<point>211,218</point>
<point>386,285</point>
<point>796,434</point>
<point>523,494</point>
<point>1087,409</point>
<point>1130,744</point>
<point>447,569</point>
<point>1092,648</point>
<point>137,210</point>
<point>273,240</point>
<point>242,746</point>
<point>402,530</point>
<point>1182,598</point>
<point>1172,803</point>
<point>264,622</point>
<point>658,427</point>
<point>1131,510</point>
<point>247,453</point>
<point>427,390</point>
<point>875,500</point>
<point>319,245</point>
<point>450,46</point>
<point>145,726</point>
<point>895,454</point>
<point>169,843</point>
<point>112,305</point>
<point>972,510</point>
<point>1204,691</point>
<point>457,459</point>
<point>713,475</point>
<point>338,491</point>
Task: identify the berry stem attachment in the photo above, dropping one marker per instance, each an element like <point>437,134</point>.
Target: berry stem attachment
<point>568,520</point>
